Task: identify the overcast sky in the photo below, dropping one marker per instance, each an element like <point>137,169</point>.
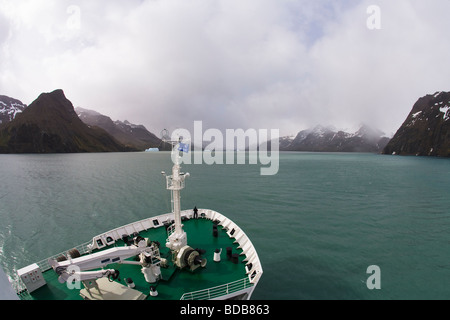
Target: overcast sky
<point>262,64</point>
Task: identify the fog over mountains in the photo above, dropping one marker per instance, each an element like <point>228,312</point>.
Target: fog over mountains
<point>136,136</point>
<point>52,124</point>
<point>329,139</point>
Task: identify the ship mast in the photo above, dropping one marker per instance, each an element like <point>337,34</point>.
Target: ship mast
<point>175,183</point>
<point>182,254</point>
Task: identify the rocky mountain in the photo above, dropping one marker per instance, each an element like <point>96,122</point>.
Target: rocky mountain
<point>328,139</point>
<point>9,108</point>
<point>135,136</point>
<point>426,130</point>
<point>50,125</point>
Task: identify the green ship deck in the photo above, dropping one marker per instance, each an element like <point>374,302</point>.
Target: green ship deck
<point>216,280</point>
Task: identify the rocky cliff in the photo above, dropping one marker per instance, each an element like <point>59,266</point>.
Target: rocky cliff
<point>50,125</point>
<point>426,130</point>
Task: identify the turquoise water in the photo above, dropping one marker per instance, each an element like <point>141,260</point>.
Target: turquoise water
<point>317,225</point>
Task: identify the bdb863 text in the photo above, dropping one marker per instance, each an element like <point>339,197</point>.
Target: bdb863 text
<point>247,309</point>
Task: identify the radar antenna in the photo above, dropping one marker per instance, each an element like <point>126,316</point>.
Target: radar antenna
<point>165,136</point>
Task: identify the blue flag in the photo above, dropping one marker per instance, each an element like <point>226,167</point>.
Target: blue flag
<point>183,147</point>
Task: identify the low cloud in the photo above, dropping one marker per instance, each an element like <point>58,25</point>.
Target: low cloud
<point>232,64</point>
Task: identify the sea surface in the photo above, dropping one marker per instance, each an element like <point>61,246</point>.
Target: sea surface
<point>317,225</point>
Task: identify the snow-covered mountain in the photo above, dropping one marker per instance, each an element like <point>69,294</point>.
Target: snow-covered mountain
<point>9,108</point>
<point>329,139</point>
<point>426,130</point>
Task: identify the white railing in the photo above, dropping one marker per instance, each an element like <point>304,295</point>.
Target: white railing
<point>170,230</point>
<point>215,292</point>
<point>82,248</point>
